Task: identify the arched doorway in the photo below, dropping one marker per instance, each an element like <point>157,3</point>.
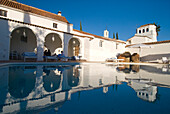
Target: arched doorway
<point>73,47</point>
<point>22,40</point>
<point>54,43</point>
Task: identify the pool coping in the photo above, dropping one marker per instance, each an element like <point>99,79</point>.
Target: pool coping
<point>38,63</point>
<point>75,63</point>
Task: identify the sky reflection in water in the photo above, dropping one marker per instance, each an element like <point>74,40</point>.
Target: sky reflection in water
<point>87,88</point>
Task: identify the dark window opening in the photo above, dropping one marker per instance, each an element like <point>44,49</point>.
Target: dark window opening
<point>139,31</point>
<point>143,30</point>
<point>147,30</point>
<point>54,25</point>
<point>3,13</point>
<point>100,44</point>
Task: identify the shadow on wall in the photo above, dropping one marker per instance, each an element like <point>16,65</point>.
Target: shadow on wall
<point>4,39</point>
<point>154,57</point>
<point>68,28</point>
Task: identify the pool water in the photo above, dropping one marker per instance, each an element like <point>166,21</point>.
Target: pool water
<point>85,88</point>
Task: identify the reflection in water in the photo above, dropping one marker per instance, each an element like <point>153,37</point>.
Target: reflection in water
<point>21,81</point>
<point>51,80</point>
<point>73,77</point>
<point>34,89</point>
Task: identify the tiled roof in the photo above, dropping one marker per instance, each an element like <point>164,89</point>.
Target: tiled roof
<point>96,36</point>
<point>31,9</point>
<point>146,25</point>
<point>152,43</point>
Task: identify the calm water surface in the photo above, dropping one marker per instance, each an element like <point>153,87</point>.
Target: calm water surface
<point>87,88</point>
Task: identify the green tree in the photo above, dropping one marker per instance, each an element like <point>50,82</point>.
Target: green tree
<point>157,28</point>
<point>117,36</point>
<point>80,26</point>
<point>113,35</point>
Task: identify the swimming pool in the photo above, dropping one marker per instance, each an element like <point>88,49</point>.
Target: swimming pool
<point>85,88</point>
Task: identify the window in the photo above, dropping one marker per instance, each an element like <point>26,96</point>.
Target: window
<point>143,30</point>
<point>146,95</point>
<point>139,93</point>
<point>3,13</point>
<point>54,25</point>
<point>100,43</point>
<point>139,31</point>
<point>117,45</point>
<point>147,30</point>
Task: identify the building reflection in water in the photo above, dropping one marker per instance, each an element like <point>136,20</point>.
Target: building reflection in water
<point>39,88</point>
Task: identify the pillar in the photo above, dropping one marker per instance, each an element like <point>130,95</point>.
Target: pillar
<point>65,44</point>
<point>40,45</point>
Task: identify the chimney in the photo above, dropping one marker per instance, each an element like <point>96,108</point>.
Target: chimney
<point>59,13</point>
<point>106,34</point>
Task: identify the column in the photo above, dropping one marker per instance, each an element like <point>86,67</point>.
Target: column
<point>40,45</point>
<point>66,39</point>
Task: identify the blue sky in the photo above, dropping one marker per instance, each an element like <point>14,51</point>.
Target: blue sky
<point>122,16</point>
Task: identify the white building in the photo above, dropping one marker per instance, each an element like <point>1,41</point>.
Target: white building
<point>145,33</point>
<point>25,28</point>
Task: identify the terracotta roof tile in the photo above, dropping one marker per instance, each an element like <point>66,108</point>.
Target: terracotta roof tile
<point>146,25</point>
<point>99,36</point>
<point>31,9</point>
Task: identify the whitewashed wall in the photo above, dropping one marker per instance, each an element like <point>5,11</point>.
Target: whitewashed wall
<point>155,53</point>
<point>151,33</point>
<point>4,40</point>
<point>89,49</point>
<point>139,39</point>
<point>93,52</point>
<point>22,16</point>
<point>107,50</point>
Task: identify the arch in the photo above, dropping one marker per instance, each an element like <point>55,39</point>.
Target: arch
<point>51,80</point>
<point>54,43</point>
<point>23,39</point>
<point>74,47</point>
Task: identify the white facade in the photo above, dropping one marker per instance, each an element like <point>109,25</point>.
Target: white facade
<point>91,47</point>
<point>44,28</point>
<point>145,33</point>
<point>154,53</point>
